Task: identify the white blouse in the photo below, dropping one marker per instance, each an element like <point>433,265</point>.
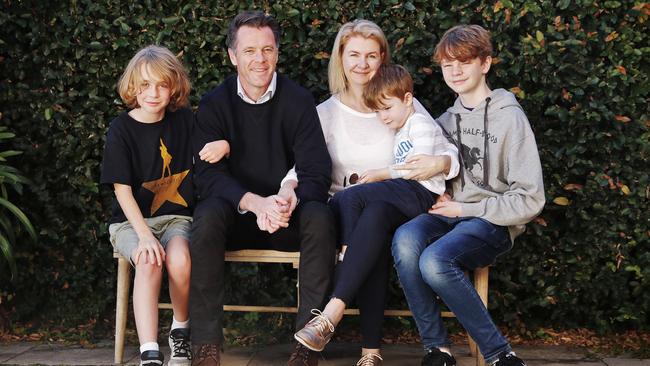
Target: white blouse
<point>356,141</point>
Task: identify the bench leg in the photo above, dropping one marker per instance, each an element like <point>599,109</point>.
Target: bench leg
<point>473,348</point>
<point>296,266</point>
<point>121,306</point>
<point>481,277</point>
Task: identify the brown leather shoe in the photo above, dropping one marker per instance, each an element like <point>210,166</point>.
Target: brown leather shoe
<point>371,359</point>
<point>316,333</point>
<point>303,356</point>
<point>207,355</point>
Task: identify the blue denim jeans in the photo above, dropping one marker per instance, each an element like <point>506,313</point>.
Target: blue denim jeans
<point>430,253</point>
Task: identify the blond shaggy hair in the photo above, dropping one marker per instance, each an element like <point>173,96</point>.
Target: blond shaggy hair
<point>359,27</point>
<point>162,63</point>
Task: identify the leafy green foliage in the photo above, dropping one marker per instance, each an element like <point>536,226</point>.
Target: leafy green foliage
<point>579,69</point>
<point>10,177</point>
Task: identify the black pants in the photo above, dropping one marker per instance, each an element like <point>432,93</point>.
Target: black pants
<point>364,271</point>
<point>408,196</point>
<point>217,227</point>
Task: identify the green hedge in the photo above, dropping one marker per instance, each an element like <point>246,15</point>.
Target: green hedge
<point>579,69</point>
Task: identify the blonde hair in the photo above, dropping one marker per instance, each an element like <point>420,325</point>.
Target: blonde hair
<point>359,27</point>
<point>390,81</point>
<point>163,64</point>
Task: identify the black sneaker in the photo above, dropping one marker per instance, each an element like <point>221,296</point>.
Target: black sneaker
<point>179,344</point>
<point>436,357</point>
<point>508,359</point>
<point>151,358</point>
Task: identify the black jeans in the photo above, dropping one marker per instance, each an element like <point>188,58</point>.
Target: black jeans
<point>407,196</point>
<point>217,227</point>
<point>364,271</point>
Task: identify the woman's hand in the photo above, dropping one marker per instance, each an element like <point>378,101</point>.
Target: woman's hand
<point>423,167</point>
<point>288,193</point>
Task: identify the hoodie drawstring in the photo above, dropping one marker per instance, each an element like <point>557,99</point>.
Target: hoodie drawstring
<point>460,153</point>
<point>486,151</point>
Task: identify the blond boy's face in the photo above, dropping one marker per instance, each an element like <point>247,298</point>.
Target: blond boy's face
<point>153,96</point>
<point>396,111</point>
<point>466,77</point>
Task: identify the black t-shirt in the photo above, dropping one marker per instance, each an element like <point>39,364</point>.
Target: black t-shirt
<point>155,159</point>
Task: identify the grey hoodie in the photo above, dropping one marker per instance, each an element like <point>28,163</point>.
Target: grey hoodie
<point>501,175</point>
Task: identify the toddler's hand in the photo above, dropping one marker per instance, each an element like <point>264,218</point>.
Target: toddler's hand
<point>374,175</point>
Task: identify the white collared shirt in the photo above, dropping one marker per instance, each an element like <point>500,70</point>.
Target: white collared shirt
<point>268,94</point>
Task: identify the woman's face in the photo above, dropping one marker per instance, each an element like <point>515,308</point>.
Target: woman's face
<point>361,59</point>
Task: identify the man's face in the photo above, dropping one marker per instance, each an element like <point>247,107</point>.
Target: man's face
<point>255,55</point>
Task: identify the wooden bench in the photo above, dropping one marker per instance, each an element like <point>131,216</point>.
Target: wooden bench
<point>260,256</point>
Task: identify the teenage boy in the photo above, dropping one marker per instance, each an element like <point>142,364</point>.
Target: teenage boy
<point>497,192</point>
<point>271,125</point>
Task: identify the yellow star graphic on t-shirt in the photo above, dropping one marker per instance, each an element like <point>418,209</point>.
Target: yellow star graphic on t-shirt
<point>166,189</point>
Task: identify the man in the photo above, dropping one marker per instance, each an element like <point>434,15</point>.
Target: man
<point>271,124</point>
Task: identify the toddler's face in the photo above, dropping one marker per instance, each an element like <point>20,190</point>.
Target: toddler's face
<point>395,111</point>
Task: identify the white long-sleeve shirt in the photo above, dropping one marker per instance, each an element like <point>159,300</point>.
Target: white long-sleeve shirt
<point>420,136</point>
<point>358,142</point>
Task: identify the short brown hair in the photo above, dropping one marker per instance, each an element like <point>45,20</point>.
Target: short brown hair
<point>255,19</point>
<point>463,43</point>
<point>390,81</point>
<point>163,64</point>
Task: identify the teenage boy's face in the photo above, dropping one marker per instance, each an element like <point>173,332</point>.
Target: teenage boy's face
<point>255,55</point>
<point>361,58</point>
<point>154,94</point>
<point>465,77</point>
<point>396,111</point>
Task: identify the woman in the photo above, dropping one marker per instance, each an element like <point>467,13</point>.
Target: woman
<point>358,141</point>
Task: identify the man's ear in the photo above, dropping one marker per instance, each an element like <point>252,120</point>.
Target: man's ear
<point>233,56</point>
<point>485,66</point>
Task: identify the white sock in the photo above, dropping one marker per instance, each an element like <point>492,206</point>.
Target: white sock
<point>177,324</point>
<point>446,350</point>
<point>149,346</point>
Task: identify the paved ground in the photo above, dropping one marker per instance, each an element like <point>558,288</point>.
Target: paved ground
<point>337,354</point>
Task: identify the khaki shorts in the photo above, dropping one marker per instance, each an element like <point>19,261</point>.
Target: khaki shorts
<point>125,240</point>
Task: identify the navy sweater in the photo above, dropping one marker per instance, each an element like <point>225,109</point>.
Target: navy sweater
<point>265,139</point>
